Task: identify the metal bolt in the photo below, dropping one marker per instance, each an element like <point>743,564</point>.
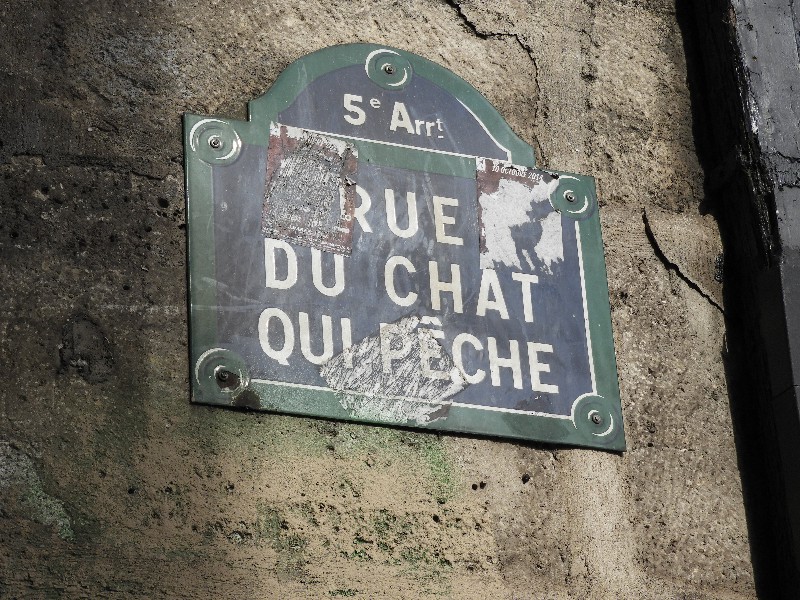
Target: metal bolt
<point>227,380</point>
<point>215,142</point>
<point>388,69</point>
<point>570,197</point>
<point>597,419</point>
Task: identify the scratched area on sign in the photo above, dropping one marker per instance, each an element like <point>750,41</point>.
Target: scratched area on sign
<point>310,189</point>
<point>380,377</point>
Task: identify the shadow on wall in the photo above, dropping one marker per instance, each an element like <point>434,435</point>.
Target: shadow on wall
<point>723,149</point>
<point>101,472</point>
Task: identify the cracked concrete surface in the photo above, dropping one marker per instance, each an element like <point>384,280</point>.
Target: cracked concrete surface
<point>690,244</point>
<point>169,500</point>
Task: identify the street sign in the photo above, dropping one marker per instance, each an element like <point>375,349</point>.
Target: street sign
<point>375,244</point>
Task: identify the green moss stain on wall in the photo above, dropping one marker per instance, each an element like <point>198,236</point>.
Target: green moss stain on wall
<point>290,547</point>
<point>22,485</point>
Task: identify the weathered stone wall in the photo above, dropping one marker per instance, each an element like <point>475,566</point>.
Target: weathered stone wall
<point>113,485</point>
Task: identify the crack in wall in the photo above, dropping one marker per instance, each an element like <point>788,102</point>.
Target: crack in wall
<point>498,35</point>
<point>89,162</point>
<point>673,266</point>
<point>786,169</point>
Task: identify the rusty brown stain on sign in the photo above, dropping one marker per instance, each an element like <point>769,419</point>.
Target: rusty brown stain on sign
<point>310,189</point>
<point>247,399</point>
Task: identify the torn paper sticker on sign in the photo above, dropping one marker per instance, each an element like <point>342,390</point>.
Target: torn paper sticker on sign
<point>402,374</point>
<point>310,189</point>
<point>512,200</point>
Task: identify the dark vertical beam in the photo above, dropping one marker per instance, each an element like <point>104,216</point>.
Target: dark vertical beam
<point>744,66</point>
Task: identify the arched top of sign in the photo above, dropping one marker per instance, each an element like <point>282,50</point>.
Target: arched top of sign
<point>381,95</point>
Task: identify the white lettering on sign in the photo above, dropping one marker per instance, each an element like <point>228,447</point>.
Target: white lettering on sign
<point>453,286</point>
<point>439,202</point>
<point>350,106</point>
<point>270,262</point>
<point>430,350</point>
<point>280,355</point>
<point>388,274</point>
<point>392,352</point>
<point>400,120</point>
<point>347,343</point>
<point>360,211</point>
<point>491,284</point>
<point>318,344</point>
<point>458,359</point>
<point>500,361</point>
<point>539,367</point>
<point>526,280</point>
<point>411,210</point>
<point>444,215</point>
<point>269,334</point>
<point>512,362</point>
<point>327,340</point>
<point>338,273</point>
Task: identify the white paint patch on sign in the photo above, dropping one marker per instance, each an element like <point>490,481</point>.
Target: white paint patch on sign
<point>550,247</point>
<point>400,374</point>
<point>502,210</point>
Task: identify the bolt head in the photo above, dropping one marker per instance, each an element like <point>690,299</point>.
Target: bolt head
<point>570,197</point>
<point>597,419</point>
<point>215,142</point>
<point>388,69</point>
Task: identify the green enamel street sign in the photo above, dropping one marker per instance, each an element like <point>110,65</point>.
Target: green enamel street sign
<point>375,244</point>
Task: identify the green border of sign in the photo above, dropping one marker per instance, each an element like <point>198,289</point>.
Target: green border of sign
<point>596,420</point>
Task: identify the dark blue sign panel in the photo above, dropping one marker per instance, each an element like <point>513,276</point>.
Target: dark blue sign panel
<point>375,244</point>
